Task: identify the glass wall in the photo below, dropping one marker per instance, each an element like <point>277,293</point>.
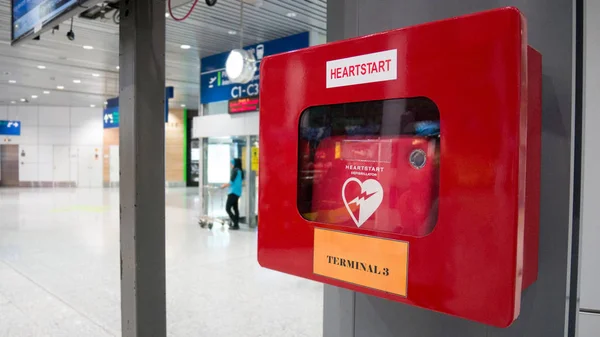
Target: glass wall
<point>216,169</point>
<point>194,163</point>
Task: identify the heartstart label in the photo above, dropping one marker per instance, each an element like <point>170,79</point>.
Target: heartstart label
<point>368,68</point>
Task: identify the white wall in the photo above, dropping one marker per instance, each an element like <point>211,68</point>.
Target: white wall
<point>588,325</point>
<point>51,135</point>
<point>225,125</point>
<point>590,258</point>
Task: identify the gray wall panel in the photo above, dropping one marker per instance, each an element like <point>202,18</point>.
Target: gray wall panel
<point>590,260</point>
<point>338,311</point>
<point>589,325</point>
<point>550,25</point>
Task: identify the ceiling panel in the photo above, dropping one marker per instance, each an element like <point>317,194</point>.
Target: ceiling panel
<point>209,30</point>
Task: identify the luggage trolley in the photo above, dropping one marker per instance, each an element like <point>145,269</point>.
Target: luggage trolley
<point>210,217</point>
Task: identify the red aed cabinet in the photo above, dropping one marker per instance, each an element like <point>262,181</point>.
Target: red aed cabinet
<point>406,165</point>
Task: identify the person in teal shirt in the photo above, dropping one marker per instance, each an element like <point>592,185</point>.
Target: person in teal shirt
<point>235,192</point>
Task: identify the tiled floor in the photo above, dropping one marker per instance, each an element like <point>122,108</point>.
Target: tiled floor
<point>59,272</point>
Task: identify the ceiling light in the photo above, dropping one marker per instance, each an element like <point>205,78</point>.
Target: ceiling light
<point>92,105</point>
<point>105,102</point>
<point>291,15</point>
<point>13,102</point>
<point>12,81</point>
<point>96,75</point>
<point>41,67</point>
<point>22,100</point>
<point>240,66</point>
<point>183,105</point>
<point>46,92</point>
<point>232,32</point>
<point>60,87</point>
<point>34,96</point>
<point>118,67</point>
<point>77,81</point>
<point>185,46</point>
<point>88,47</point>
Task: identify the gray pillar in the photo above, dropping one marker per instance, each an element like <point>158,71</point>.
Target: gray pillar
<point>544,306</point>
<point>338,311</point>
<point>142,165</point>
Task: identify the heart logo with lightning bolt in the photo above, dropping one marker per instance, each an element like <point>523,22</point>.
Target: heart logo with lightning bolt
<point>368,201</point>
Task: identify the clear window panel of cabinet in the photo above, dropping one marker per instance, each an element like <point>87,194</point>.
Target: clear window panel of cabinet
<point>372,165</point>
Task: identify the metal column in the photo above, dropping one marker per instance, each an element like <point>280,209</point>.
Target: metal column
<point>249,199</point>
<point>142,166</point>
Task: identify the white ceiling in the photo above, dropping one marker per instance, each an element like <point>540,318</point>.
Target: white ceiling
<point>208,30</point>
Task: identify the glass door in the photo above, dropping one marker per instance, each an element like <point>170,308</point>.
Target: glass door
<point>193,163</point>
<point>218,152</point>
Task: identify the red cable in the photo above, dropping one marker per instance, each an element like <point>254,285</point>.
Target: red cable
<point>186,16</point>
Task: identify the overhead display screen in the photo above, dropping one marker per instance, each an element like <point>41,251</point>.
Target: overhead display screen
<point>240,105</point>
<point>30,16</point>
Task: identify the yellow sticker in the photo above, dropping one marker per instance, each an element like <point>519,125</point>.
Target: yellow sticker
<point>371,262</point>
<point>254,162</point>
